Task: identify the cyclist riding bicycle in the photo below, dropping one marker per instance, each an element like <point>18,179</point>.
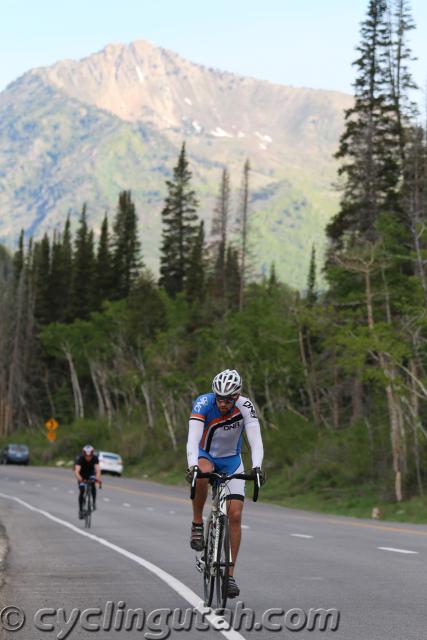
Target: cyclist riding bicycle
<point>86,468</point>
<point>216,426</point>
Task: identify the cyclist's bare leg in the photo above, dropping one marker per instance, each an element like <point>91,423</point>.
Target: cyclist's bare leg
<point>202,491</point>
<point>235,508</point>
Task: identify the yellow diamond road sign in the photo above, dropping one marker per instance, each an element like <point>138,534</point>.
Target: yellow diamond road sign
<point>51,436</point>
<point>51,424</point>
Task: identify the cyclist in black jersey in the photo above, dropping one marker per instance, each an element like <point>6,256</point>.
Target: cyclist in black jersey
<point>86,467</point>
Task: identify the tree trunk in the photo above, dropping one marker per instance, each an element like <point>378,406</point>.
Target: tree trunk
<point>78,398</point>
<point>169,426</point>
<point>357,401</point>
<point>310,394</point>
<point>14,384</point>
<point>48,392</point>
<point>310,359</point>
<point>415,422</point>
<point>395,433</point>
<point>267,394</point>
<point>145,393</point>
<point>94,376</point>
<point>336,399</point>
<point>102,376</point>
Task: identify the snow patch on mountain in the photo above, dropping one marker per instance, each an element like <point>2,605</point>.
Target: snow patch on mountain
<point>188,101</point>
<point>220,133</point>
<point>264,138</point>
<point>139,73</point>
<point>197,126</point>
<point>168,121</point>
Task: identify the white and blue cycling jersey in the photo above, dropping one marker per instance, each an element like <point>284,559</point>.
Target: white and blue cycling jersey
<point>215,436</point>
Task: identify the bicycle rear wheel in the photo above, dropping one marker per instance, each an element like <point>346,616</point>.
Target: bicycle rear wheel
<point>222,563</point>
<point>88,508</point>
<point>208,571</point>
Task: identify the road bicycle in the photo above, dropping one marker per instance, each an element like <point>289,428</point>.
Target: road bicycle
<point>215,561</point>
<point>88,501</point>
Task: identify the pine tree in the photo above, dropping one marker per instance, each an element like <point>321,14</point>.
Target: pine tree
<point>414,200</point>
<point>81,298</point>
<point>17,407</point>
<point>272,278</point>
<point>126,258</point>
<point>180,228</point>
<point>104,277</point>
<point>195,280</point>
<point>56,281</point>
<point>41,271</point>
<point>61,274</point>
<point>64,294</point>
<point>311,296</point>
<point>244,222</point>
<point>29,262</point>
<point>368,145</point>
<point>401,82</point>
<point>18,260</point>
<point>232,272</point>
<point>219,234</point>
<point>404,109</point>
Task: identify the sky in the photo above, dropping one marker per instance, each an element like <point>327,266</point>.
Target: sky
<point>308,43</point>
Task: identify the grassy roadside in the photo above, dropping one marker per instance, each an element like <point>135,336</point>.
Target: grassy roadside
<point>313,482</point>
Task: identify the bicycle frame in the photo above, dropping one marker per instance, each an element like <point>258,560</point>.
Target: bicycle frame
<point>216,558</point>
<point>87,503</point>
<point>218,512</point>
<point>219,500</point>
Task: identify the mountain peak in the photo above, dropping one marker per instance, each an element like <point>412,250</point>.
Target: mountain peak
<point>141,82</point>
<point>131,81</point>
<point>83,130</point>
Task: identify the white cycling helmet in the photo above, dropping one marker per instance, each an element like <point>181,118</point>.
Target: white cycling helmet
<point>227,383</point>
<point>87,450</point>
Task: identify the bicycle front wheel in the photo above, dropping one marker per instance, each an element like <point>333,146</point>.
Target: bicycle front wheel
<point>208,571</point>
<point>222,562</point>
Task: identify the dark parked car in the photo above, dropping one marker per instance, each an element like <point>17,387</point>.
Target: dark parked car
<point>15,454</point>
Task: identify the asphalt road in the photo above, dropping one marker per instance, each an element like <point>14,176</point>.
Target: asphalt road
<point>137,556</point>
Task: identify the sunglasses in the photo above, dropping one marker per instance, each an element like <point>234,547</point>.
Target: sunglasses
<point>226,399</point>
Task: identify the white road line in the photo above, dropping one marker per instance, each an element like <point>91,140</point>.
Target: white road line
<point>397,550</point>
<point>172,512</point>
<point>150,508</point>
<point>126,504</point>
<point>219,623</point>
<point>106,499</point>
<point>245,526</point>
<point>22,482</point>
<point>301,535</point>
<point>71,491</point>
